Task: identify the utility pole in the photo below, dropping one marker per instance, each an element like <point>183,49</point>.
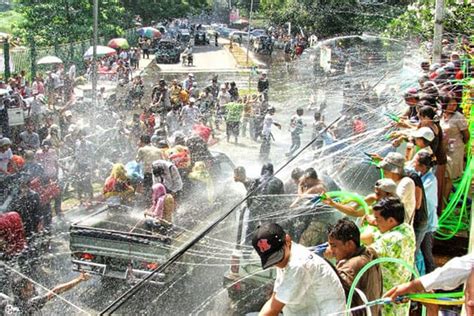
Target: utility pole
<point>94,53</point>
<point>438,31</point>
<point>248,36</point>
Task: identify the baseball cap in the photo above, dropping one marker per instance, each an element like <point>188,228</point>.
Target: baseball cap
<point>393,162</point>
<point>386,185</point>
<point>424,132</point>
<point>268,240</point>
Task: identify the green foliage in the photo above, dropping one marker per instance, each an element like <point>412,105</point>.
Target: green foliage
<point>331,17</point>
<point>156,10</point>
<point>53,22</point>
<point>418,20</point>
<point>10,20</point>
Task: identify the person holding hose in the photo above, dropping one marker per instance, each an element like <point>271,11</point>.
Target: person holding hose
<point>454,273</point>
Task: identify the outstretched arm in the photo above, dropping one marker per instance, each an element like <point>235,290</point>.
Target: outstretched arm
<point>67,286</point>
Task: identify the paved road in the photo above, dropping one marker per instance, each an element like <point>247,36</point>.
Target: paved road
<point>206,58</point>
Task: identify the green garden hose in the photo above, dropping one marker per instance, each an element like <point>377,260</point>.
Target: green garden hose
<point>370,265</point>
<point>359,199</point>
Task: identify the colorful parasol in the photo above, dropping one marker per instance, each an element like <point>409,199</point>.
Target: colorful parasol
<point>149,32</point>
<point>119,43</point>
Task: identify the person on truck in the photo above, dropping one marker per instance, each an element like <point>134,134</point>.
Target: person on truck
<point>163,206</point>
<point>118,184</point>
<point>147,154</point>
<point>26,300</point>
<point>305,283</point>
<point>309,184</point>
<point>268,184</point>
<point>166,173</point>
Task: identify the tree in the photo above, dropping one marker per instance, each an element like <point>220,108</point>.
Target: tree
<point>418,20</point>
<point>53,22</point>
<point>156,10</point>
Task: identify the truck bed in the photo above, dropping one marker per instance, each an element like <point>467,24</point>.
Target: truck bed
<point>114,241</point>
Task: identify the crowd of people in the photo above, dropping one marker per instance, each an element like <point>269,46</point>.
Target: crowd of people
<point>403,208</point>
<point>174,131</point>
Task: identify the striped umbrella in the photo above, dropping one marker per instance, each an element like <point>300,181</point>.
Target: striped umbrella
<point>149,32</point>
<point>119,43</point>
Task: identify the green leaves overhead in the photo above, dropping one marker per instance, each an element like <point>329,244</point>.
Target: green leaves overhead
<point>418,20</point>
<point>61,21</point>
<point>54,22</point>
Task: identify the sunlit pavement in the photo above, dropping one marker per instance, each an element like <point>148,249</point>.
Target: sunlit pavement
<point>206,58</point>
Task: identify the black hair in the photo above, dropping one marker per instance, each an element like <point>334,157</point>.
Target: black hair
<point>391,207</point>
<point>296,173</point>
<point>311,173</point>
<point>427,111</point>
<point>430,112</point>
<point>240,170</point>
<point>444,100</point>
<point>158,170</point>
<point>146,139</point>
<point>267,169</point>
<point>317,115</point>
<point>299,110</point>
<point>345,230</point>
<point>426,159</point>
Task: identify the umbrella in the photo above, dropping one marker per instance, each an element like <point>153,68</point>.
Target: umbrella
<point>118,43</point>
<point>149,32</point>
<point>101,51</point>
<point>47,60</point>
<point>241,21</point>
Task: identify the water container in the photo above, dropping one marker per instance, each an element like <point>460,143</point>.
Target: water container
<point>16,116</point>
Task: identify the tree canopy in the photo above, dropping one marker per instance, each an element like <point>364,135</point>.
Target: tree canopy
<point>332,17</point>
<point>156,10</point>
<point>399,18</point>
<point>63,21</point>
<point>418,20</point>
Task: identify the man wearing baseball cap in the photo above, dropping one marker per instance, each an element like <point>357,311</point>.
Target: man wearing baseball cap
<point>305,283</point>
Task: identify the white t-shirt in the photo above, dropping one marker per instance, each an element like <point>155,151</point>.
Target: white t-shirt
<point>308,285</point>
<point>267,125</point>
<point>406,192</point>
<point>223,98</point>
<point>171,178</point>
<point>4,159</point>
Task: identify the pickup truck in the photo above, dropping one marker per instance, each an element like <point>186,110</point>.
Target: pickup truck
<point>115,242</point>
